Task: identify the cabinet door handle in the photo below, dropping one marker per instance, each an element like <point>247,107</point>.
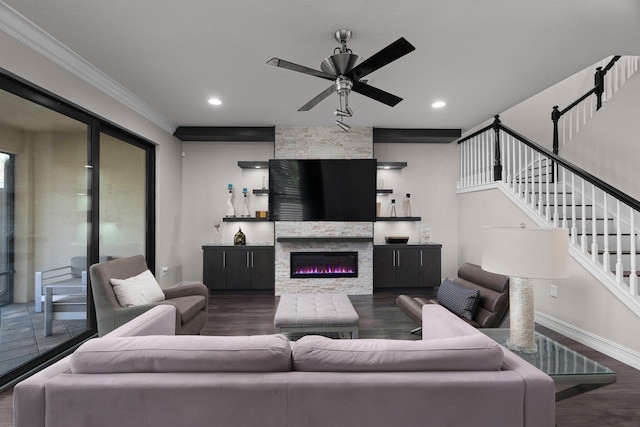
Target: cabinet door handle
<point>421,258</point>
<point>247,259</point>
<point>251,259</point>
<point>393,258</point>
<point>224,259</point>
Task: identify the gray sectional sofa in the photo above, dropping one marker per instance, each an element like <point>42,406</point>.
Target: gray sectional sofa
<point>141,374</point>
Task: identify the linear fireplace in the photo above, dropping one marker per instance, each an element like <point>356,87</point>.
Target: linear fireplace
<point>324,264</point>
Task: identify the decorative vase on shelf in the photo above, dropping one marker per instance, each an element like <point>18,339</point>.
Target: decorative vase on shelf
<point>425,233</point>
<point>217,226</point>
<point>245,204</point>
<point>230,211</point>
<point>393,213</point>
<point>239,238</point>
<point>407,205</point>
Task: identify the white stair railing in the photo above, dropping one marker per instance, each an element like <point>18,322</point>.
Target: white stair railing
<point>600,219</point>
<point>568,122</point>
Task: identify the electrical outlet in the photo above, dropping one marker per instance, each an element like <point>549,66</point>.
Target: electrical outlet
<point>554,291</point>
<point>165,270</point>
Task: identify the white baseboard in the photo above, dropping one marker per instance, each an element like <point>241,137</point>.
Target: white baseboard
<point>603,345</point>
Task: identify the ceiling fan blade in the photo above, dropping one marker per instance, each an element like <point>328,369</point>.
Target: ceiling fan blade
<point>299,68</point>
<point>395,50</point>
<point>315,101</point>
<point>375,93</point>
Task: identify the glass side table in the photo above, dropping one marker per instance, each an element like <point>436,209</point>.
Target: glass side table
<point>565,366</point>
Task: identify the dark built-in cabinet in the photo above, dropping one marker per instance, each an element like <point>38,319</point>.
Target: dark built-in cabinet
<point>406,266</point>
<point>238,267</point>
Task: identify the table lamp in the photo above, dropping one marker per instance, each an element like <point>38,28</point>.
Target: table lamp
<point>523,254</point>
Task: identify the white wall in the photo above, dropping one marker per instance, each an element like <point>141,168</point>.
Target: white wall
<point>609,147</point>
<point>208,167</point>
<point>33,67</point>
<point>430,177</point>
<point>606,147</point>
<point>583,302</point>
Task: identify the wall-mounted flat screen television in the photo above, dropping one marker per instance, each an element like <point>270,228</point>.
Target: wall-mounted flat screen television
<point>322,190</point>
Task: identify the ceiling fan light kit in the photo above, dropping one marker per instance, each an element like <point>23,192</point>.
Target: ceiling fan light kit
<point>347,70</point>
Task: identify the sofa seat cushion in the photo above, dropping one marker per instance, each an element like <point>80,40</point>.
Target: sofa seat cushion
<point>466,353</point>
<point>183,353</point>
<point>187,306</point>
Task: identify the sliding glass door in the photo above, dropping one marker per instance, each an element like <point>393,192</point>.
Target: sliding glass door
<point>6,227</point>
<point>123,197</point>
<point>74,190</point>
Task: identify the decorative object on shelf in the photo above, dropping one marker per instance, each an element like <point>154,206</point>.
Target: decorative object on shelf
<point>261,214</point>
<point>407,205</point>
<point>380,183</point>
<point>425,233</point>
<point>230,211</point>
<point>264,182</point>
<point>378,209</point>
<point>217,226</point>
<point>245,204</point>
<point>239,238</point>
<point>393,213</point>
<point>523,254</point>
<point>396,239</point>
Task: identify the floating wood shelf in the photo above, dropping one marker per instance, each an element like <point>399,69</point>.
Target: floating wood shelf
<point>244,219</point>
<point>392,165</point>
<point>399,218</point>
<point>253,165</point>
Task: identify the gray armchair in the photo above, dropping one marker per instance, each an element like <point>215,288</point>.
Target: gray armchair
<point>190,301</point>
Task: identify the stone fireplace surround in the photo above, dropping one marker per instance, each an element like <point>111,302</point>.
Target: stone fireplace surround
<point>323,142</point>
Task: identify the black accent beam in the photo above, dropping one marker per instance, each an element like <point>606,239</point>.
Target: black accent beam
<point>226,133</point>
<point>432,136</point>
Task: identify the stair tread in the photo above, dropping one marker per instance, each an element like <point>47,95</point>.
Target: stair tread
<point>614,251</point>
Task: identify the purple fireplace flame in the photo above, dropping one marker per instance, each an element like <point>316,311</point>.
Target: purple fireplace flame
<point>324,264</point>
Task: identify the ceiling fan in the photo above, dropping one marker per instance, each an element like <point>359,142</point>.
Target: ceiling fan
<point>347,70</point>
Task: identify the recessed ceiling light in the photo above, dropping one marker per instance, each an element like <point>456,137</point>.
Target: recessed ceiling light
<point>438,104</point>
<point>214,101</point>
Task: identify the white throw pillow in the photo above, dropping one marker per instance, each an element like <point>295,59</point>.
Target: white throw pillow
<point>137,290</point>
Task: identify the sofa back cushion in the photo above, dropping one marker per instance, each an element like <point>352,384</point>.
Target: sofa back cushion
<point>183,353</point>
<point>466,353</point>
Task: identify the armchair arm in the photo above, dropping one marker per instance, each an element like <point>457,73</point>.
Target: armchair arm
<point>186,290</point>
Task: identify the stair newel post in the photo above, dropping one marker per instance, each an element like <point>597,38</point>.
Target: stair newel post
<point>497,162</point>
<point>555,117</point>
<point>599,86</point>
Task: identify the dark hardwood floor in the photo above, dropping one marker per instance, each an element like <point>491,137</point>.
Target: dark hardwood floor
<point>250,313</point>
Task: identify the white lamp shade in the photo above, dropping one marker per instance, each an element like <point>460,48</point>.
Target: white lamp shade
<point>536,253</point>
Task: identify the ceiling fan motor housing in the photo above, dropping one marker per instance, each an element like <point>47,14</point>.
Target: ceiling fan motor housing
<point>340,63</point>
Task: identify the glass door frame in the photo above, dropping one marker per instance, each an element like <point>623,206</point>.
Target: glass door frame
<point>8,227</point>
<point>11,83</point>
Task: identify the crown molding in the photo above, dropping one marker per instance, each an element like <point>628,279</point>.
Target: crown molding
<point>28,33</point>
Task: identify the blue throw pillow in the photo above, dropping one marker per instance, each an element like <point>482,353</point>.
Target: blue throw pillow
<point>458,299</point>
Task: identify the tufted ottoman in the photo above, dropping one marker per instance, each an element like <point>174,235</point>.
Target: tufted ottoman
<point>302,313</point>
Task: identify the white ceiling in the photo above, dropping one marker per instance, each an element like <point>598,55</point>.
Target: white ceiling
<point>480,56</point>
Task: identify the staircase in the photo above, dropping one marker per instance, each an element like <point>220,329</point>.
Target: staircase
<point>555,193</point>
